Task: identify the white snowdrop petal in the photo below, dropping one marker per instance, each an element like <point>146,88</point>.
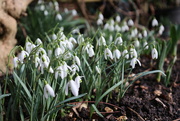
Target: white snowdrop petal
<point>74,87</point>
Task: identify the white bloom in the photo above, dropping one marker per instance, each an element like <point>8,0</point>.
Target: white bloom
<point>144,33</point>
<point>50,52</point>
<point>125,54</point>
<point>118,41</point>
<point>77,60</point>
<point>73,40</point>
<point>136,43</point>
<point>101,16</point>
<point>38,41</point>
<point>74,68</point>
<point>154,53</point>
<point>130,22</point>
<point>66,10</point>
<point>133,53</point>
<point>46,12</point>
<point>99,22</point>
<point>108,53</point>
<point>51,70</point>
<point>57,52</point>
<point>78,80</point>
<point>118,19</point>
<point>145,45</point>
<point>22,55</point>
<point>117,28</point>
<point>15,62</point>
<point>42,7</point>
<point>133,62</point>
<point>116,54</point>
<point>58,17</point>
<point>37,61</point>
<point>154,22</point>
<point>140,36</point>
<point>161,30</point>
<point>111,27</point>
<point>48,90</point>
<point>80,39</point>
<point>74,12</point>
<point>101,41</point>
<point>98,70</point>
<point>28,46</point>
<point>54,36</point>
<point>73,86</point>
<point>91,51</point>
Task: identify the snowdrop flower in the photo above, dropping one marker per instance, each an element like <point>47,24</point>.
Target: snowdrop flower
<point>77,60</point>
<point>38,41</point>
<point>133,53</point>
<point>101,41</point>
<point>118,18</point>
<point>161,30</point>
<point>15,62</point>
<point>59,17</point>
<point>108,53</point>
<point>130,22</point>
<point>80,39</point>
<point>118,41</point>
<point>46,12</point>
<point>101,16</point>
<point>91,51</point>
<point>145,45</point>
<point>54,36</point>
<point>42,7</point>
<point>48,90</point>
<point>51,70</point>
<point>73,40</point>
<point>154,53</point>
<point>56,4</point>
<point>98,70</point>
<point>57,51</point>
<point>136,43</point>
<point>29,47</point>
<point>125,54</point>
<point>78,80</point>
<point>74,12</point>
<point>74,68</point>
<point>75,31</point>
<point>134,61</point>
<point>73,87</point>
<point>37,61</point>
<point>44,63</point>
<point>154,22</point>
<point>106,26</point>
<point>62,70</point>
<point>117,28</point>
<point>99,22</point>
<point>116,54</point>
<point>140,36</point>
<point>144,33</point>
<point>111,27</point>
<point>22,55</point>
<point>66,10</point>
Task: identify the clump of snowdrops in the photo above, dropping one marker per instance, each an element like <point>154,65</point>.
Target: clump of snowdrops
<point>65,67</point>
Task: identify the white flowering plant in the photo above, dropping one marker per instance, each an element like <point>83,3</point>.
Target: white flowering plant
<point>63,67</point>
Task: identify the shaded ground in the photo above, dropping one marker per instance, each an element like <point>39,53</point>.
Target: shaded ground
<point>145,100</point>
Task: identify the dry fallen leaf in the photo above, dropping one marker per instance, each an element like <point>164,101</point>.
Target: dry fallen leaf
<point>143,87</point>
<point>122,118</point>
<point>107,109</point>
<point>84,105</point>
<point>157,92</point>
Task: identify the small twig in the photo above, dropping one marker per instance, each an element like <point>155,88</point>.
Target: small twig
<point>177,119</point>
<point>158,100</point>
<point>135,113</point>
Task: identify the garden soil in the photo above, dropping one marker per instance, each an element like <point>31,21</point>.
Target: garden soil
<point>145,100</point>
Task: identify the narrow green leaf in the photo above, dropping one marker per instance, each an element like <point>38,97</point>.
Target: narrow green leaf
<point>23,85</point>
<point>97,111</point>
<point>4,95</point>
